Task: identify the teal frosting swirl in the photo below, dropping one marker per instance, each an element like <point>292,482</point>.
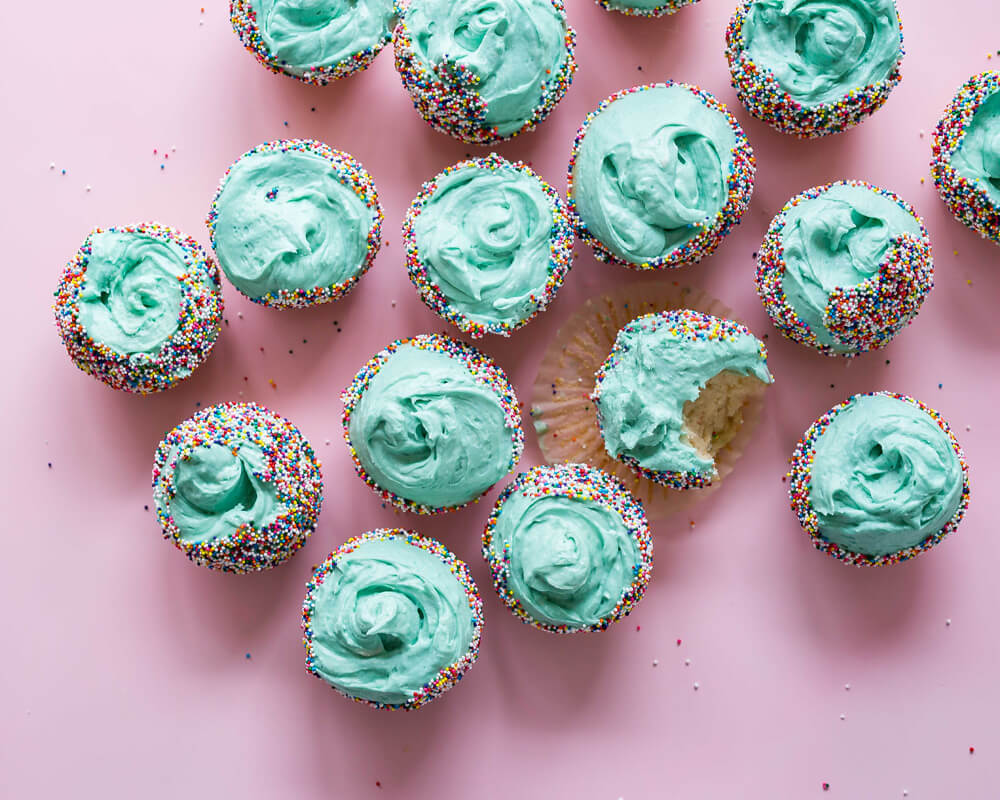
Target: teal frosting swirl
<point>657,369</point>
<point>310,34</point>
<point>818,50</point>
<point>884,477</point>
<point>131,295</point>
<point>651,172</point>
<point>514,48</point>
<point>387,619</point>
<point>571,559</point>
<point>837,240</point>
<point>427,431</point>
<point>285,221</point>
<point>483,237</point>
<point>978,155</point>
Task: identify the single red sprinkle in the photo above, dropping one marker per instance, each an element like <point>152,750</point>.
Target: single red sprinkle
<point>972,749</point>
<point>379,784</point>
<point>637,628</point>
<point>678,642</point>
<point>826,787</point>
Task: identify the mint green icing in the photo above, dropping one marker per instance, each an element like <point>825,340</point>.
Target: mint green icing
<point>570,559</point>
<point>656,371</point>
<point>427,431</point>
<point>387,618</point>
<point>651,172</point>
<point>837,240</point>
<point>315,34</point>
<point>819,50</point>
<point>286,221</point>
<point>217,489</point>
<point>483,237</point>
<point>978,155</point>
<point>884,477</point>
<point>131,297</point>
<point>513,47</point>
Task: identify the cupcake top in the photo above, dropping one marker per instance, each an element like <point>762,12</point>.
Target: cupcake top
<point>295,222</point>
<point>431,423</point>
<point>819,51</point>
<point>391,619</point>
<point>660,363</point>
<point>879,478</point>
<point>569,548</point>
<point>659,174</point>
<point>977,156</point>
<point>488,243</point>
<point>645,8</point>
<point>855,266</point>
<point>237,487</point>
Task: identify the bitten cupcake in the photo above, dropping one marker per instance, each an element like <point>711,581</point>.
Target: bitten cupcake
<point>814,67</point>
<point>569,548</point>
<point>966,161</point>
<point>316,41</point>
<point>431,424</point>
<point>484,73</point>
<point>877,479</point>
<point>295,223</point>
<point>671,393</point>
<point>658,176</point>
<point>139,308</point>
<point>237,488</point>
<point>488,244</point>
<point>844,267</point>
<point>391,619</point>
<point>645,8</point>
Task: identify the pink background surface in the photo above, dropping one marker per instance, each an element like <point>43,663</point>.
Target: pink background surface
<point>124,671</point>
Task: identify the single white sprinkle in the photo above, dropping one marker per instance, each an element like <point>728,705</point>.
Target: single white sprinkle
<point>393,303</point>
<point>201,22</point>
<point>968,427</point>
<point>843,716</point>
<point>687,662</point>
<point>906,792</point>
<point>239,314</point>
<point>241,394</point>
<point>173,148</point>
<point>87,187</point>
<point>52,165</point>
<point>847,687</point>
<point>921,133</point>
<point>656,662</point>
<point>696,686</point>
<point>328,441</point>
<point>947,622</point>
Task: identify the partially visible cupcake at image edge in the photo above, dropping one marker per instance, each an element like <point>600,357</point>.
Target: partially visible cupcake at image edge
<point>658,176</point>
<point>431,423</point>
<point>966,155</point>
<point>391,619</point>
<point>488,243</point>
<point>315,42</point>
<point>844,267</point>
<point>489,76</point>
<point>569,548</point>
<point>237,488</point>
<point>878,479</point>
<point>645,8</point>
<point>139,307</point>
<point>814,68</point>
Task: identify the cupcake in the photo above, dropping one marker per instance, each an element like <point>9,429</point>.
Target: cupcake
<point>488,244</point>
<point>671,393</point>
<point>569,548</point>
<point>484,75</point>
<point>295,223</point>
<point>816,67</point>
<point>966,162</point>
<point>658,176</point>
<point>391,619</point>
<point>237,488</point>
<point>844,267</point>
<point>139,308</point>
<point>431,424</point>
<point>878,479</point>
<point>645,8</point>
<point>316,41</point>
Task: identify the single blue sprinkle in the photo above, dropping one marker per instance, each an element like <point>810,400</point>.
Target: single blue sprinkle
<point>163,166</point>
<point>145,508</point>
<point>198,403</point>
<point>50,465</point>
<point>64,172</point>
<point>286,123</point>
<point>247,656</point>
<point>940,385</point>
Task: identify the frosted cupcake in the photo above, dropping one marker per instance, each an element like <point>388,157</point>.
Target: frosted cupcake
<point>877,479</point>
<point>295,223</point>
<point>966,162</point>
<point>316,41</point>
<point>658,176</point>
<point>814,67</point>
<point>569,548</point>
<point>671,393</point>
<point>645,8</point>
<point>237,488</point>
<point>391,619</point>
<point>431,424</point>
<point>139,308</point>
<point>488,244</point>
<point>484,73</point>
<point>844,267</point>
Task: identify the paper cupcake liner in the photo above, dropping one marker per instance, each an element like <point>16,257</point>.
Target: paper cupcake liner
<point>564,416</point>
